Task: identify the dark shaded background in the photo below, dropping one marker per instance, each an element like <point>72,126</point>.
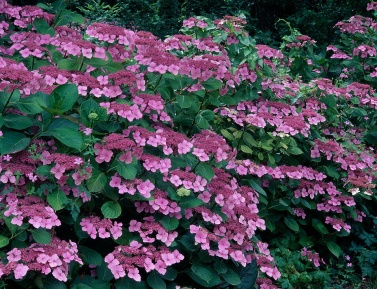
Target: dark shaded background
<point>315,18</point>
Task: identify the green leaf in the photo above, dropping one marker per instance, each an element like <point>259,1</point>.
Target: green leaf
<point>295,151</point>
<point>69,64</point>
<point>41,236</point>
<point>155,281</point>
<point>231,277</point>
<point>68,136</point>
<point>329,100</point>
<point>246,149</point>
<point>332,171</point>
<point>205,276</point>
<point>66,17</point>
<point>12,142</point>
<point>4,241</point>
<point>292,224</point>
<point>97,181</point>
<point>81,286</point>
<point>220,266</point>
<point>207,114</point>
<point>90,256</point>
<point>9,98</point>
<point>257,187</point>
<point>227,134</point>
<point>248,275</point>
<point>57,199</point>
<point>184,101</point>
<point>108,66</point>
<point>32,104</point>
<point>307,241</point>
<point>17,121</point>
<point>190,202</point>
<point>188,242</point>
<point>249,140</point>
<point>111,210</point>
<point>334,248</point>
<point>90,107</point>
<point>205,170</point>
<point>201,121</point>
<point>319,226</point>
<point>212,84</point>
<point>91,282</point>
<point>42,27</point>
<point>177,83</point>
<point>45,7</point>
<point>169,223</point>
<point>127,283</point>
<point>51,283</point>
<point>63,97</point>
<point>127,171</point>
<point>171,274</point>
<point>59,5</point>
<point>104,273</point>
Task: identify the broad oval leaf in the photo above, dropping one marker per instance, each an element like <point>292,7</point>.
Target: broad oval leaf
<point>205,170</point>
<point>169,223</point>
<point>68,136</point>
<point>17,121</point>
<point>111,210</point>
<point>41,236</point>
<point>292,224</point>
<point>12,142</point>
<point>334,248</point>
<point>57,199</point>
<point>155,281</point>
<point>96,182</point>
<point>4,241</point>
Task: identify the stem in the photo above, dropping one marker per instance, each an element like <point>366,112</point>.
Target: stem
<point>158,82</point>
<point>39,133</point>
<point>57,18</point>
<point>200,108</point>
<point>82,63</point>
<point>239,141</point>
<point>6,104</point>
<point>32,63</point>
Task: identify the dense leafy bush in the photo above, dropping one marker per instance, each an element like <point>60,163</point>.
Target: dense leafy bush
<point>315,18</point>
<point>203,160</point>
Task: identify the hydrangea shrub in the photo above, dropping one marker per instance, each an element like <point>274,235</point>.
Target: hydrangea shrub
<point>131,161</point>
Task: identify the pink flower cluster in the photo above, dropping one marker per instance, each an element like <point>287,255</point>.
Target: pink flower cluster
<point>209,144</point>
<point>126,260</point>
<point>149,230</point>
<point>52,258</point>
<point>364,51</point>
<point>188,180</point>
<point>30,208</point>
<point>161,203</point>
<point>277,114</point>
<point>105,228</point>
<point>131,186</point>
<point>192,21</point>
<point>301,41</point>
<point>338,224</point>
<point>312,257</point>
<point>356,24</point>
<point>268,52</point>
<point>245,167</point>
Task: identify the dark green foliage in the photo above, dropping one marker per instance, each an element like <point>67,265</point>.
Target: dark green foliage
<point>164,17</point>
